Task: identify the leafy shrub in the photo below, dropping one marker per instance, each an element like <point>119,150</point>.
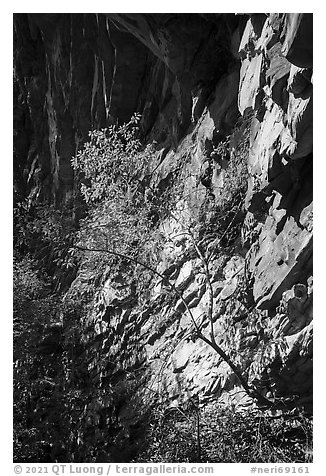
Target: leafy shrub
<point>227,436</point>
<point>109,162</point>
<point>170,438</point>
<point>111,168</point>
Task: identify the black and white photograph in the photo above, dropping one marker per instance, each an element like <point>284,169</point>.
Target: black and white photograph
<point>162,239</point>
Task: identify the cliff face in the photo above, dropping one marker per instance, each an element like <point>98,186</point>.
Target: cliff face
<point>77,72</point>
<point>191,77</point>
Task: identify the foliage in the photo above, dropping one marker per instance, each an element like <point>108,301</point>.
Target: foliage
<point>32,304</point>
<point>54,395</point>
<point>171,437</point>
<point>35,370</point>
<point>46,234</point>
<point>112,167</point>
<point>27,284</point>
<point>52,384</point>
<point>109,162</point>
<point>227,436</point>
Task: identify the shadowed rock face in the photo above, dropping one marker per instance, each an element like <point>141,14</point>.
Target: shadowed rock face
<point>82,71</point>
<point>65,65</point>
<point>190,76</point>
<point>298,39</point>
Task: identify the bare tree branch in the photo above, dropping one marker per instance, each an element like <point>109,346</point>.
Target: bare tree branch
<point>251,391</point>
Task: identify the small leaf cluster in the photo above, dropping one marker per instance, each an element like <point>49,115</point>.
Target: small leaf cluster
<point>108,163</point>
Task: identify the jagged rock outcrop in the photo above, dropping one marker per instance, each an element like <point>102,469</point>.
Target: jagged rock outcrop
<point>191,77</point>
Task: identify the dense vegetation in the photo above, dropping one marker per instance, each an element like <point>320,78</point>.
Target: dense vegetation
<point>67,392</point>
<point>222,435</point>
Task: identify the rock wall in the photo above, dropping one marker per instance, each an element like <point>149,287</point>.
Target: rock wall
<point>83,71</point>
<point>196,79</point>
